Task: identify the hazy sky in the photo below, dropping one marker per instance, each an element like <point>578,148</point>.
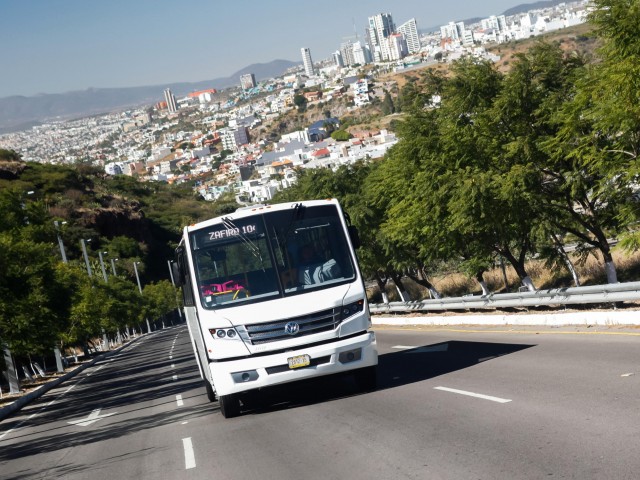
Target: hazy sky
<point>54,46</point>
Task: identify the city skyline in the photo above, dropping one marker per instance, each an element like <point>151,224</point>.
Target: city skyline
<point>53,47</point>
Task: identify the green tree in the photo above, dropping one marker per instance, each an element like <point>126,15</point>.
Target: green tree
<point>341,135</point>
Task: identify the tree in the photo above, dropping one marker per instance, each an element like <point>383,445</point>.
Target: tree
<point>341,135</point>
<point>300,101</point>
<point>387,104</point>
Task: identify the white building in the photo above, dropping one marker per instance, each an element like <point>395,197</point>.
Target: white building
<point>360,92</point>
<point>171,101</point>
<point>410,31</point>
<point>361,54</point>
<point>307,62</point>
<point>379,28</point>
<point>397,46</point>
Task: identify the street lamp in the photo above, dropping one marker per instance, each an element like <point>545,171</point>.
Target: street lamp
<point>83,243</point>
<point>135,268</point>
<point>104,272</point>
<point>62,252</point>
<point>113,266</point>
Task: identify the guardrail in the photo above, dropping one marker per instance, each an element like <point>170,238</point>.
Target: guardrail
<point>610,293</point>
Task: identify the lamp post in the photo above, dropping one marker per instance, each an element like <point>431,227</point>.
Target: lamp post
<point>135,268</point>
<point>113,266</point>
<point>84,253</point>
<point>62,252</point>
<point>104,271</point>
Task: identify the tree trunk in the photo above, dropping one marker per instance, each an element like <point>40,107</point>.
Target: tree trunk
<point>527,282</point>
<point>404,295</point>
<point>483,284</point>
<point>381,285</point>
<point>610,269</point>
<point>504,274</point>
<point>421,279</point>
<point>521,271</point>
<point>566,259</point>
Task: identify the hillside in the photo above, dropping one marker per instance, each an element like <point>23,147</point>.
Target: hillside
<point>107,209</point>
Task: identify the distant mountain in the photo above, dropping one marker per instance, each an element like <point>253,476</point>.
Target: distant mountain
<point>19,112</point>
<point>524,8</point>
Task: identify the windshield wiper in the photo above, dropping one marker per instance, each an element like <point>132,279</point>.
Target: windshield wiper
<point>253,248</point>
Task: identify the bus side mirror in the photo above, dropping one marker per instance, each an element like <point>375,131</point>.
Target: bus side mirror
<point>178,278</point>
<point>355,237</point>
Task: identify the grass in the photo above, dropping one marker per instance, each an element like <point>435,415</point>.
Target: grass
<point>590,272</point>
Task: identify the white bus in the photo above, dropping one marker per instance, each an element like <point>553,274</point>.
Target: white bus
<point>273,294</point>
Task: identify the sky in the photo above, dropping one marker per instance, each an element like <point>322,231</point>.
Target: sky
<point>56,46</point>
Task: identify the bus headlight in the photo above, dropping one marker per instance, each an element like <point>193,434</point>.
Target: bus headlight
<point>351,309</point>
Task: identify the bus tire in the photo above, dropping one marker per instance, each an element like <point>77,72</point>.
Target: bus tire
<point>229,405</point>
<point>211,395</point>
<point>367,379</point>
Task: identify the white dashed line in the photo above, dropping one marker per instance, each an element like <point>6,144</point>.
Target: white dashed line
<point>179,400</point>
<point>471,394</point>
<point>189,457</point>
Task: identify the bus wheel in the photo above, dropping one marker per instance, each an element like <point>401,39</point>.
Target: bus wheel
<point>367,379</point>
<point>211,395</point>
<point>229,405</point>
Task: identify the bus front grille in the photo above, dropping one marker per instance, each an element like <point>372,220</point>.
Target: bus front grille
<point>285,329</point>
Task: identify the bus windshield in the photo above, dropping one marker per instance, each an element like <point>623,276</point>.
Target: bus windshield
<point>270,255</point>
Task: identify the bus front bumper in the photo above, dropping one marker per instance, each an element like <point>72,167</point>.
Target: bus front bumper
<point>303,363</point>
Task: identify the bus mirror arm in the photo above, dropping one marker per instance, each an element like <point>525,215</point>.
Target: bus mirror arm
<point>355,236</point>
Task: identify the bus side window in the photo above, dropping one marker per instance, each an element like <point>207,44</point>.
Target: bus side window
<point>188,296</point>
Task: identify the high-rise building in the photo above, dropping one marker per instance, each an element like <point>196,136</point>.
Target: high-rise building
<point>307,62</point>
<point>337,59</point>
<point>397,46</point>
<point>379,28</point>
<point>171,101</point>
<point>410,31</point>
<point>247,81</point>
<point>361,54</point>
<point>346,50</point>
<point>454,31</point>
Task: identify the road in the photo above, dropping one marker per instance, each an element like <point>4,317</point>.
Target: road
<point>451,404</point>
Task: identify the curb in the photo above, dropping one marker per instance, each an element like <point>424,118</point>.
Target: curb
<point>587,318</point>
<point>41,390</point>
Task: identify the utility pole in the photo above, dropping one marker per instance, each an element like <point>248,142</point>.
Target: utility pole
<point>135,268</point>
<point>84,252</point>
<point>60,244</point>
<point>104,272</point>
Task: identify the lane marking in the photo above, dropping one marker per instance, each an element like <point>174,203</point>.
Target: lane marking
<point>179,400</point>
<point>476,395</point>
<point>443,347</point>
<point>189,457</point>
<point>431,328</point>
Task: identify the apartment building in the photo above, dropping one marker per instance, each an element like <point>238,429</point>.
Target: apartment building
<point>410,31</point>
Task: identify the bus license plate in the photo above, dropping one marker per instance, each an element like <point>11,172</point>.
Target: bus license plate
<point>299,361</point>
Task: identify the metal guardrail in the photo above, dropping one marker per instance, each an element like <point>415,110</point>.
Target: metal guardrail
<point>610,293</point>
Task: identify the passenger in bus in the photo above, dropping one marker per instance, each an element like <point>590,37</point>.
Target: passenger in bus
<point>313,269</point>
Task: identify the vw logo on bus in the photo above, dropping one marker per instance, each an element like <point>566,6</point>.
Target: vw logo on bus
<point>291,328</point>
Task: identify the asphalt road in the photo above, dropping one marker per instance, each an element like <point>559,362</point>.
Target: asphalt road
<point>451,404</point>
